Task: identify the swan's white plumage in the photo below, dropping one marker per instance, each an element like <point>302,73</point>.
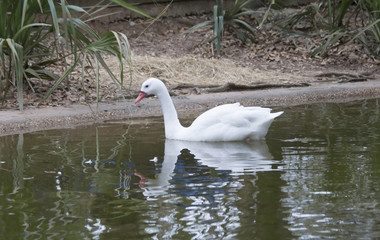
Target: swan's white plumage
<point>228,122</point>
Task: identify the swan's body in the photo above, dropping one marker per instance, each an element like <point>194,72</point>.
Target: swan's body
<point>229,122</point>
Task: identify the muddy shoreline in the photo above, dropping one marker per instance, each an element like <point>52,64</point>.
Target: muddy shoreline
<point>35,119</point>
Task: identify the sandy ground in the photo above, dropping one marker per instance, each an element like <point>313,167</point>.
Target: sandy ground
<point>34,119</point>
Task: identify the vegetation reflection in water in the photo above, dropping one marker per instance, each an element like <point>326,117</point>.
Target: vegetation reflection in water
<point>316,176</point>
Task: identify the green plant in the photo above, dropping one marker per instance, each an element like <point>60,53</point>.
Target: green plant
<point>329,15</point>
<point>309,14</point>
<point>369,35</point>
<point>35,35</point>
<point>367,14</point>
<point>314,13</point>
<point>232,19</point>
<point>337,10</point>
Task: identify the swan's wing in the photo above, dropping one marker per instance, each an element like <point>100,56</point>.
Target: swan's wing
<point>214,115</point>
<point>230,114</point>
<point>232,122</point>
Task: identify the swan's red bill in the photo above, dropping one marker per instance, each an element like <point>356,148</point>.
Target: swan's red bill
<point>140,97</point>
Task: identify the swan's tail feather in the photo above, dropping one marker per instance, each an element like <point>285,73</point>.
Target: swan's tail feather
<point>260,129</point>
<point>276,114</point>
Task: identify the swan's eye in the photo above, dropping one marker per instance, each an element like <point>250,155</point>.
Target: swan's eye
<point>146,86</point>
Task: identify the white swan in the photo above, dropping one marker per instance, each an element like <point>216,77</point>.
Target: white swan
<point>228,122</point>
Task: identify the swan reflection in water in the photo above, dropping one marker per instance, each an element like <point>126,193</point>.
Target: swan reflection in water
<point>206,163</point>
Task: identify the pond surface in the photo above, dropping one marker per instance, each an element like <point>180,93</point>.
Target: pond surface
<point>317,176</point>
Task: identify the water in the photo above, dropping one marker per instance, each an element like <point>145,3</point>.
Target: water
<point>317,176</point>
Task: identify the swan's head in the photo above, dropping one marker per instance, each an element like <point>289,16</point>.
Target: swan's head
<point>152,86</point>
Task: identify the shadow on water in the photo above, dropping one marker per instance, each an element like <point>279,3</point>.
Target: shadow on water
<point>316,176</point>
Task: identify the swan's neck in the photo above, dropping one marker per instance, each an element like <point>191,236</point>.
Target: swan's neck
<point>172,124</point>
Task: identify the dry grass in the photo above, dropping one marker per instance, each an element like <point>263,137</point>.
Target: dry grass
<point>200,71</point>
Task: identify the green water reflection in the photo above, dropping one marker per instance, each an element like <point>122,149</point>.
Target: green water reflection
<point>316,176</point>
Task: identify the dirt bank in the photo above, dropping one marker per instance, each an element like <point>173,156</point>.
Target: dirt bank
<point>165,51</point>
<point>34,119</point>
<point>192,72</point>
